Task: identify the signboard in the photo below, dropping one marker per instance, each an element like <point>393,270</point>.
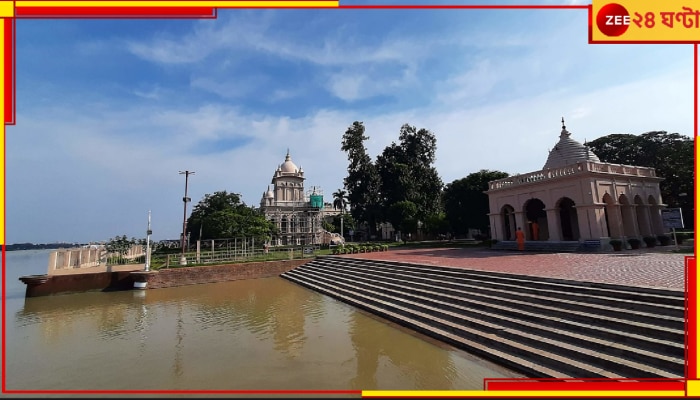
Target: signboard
<point>672,218</point>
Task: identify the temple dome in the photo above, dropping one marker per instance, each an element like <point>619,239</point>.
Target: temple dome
<point>288,165</point>
<point>568,151</point>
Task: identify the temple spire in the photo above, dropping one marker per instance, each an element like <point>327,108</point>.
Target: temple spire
<point>564,132</point>
<point>288,157</point>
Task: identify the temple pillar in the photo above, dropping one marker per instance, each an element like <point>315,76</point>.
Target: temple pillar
<point>591,221</point>
<point>520,221</point>
<point>615,220</point>
<point>496,221</point>
<point>643,219</point>
<point>629,220</point>
<point>553,225</point>
<point>657,223</point>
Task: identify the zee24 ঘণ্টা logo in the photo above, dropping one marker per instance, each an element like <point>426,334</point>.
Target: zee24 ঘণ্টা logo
<point>614,19</point>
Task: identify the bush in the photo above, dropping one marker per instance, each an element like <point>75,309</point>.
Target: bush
<point>664,240</point>
<point>681,236</point>
<point>650,241</point>
<point>634,243</point>
<point>616,244</point>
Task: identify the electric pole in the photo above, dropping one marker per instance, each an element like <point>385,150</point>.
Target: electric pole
<point>148,243</point>
<point>185,200</point>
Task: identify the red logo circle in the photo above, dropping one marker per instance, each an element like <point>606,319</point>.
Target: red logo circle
<point>613,19</point>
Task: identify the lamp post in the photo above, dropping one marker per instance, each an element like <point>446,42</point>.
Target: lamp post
<point>185,200</point>
<point>148,244</point>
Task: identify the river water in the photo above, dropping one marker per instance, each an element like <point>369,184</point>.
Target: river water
<point>260,334</point>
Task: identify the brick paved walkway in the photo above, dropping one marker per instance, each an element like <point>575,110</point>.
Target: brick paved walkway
<point>644,268</point>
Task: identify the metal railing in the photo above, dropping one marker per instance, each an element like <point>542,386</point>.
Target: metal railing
<point>222,256</point>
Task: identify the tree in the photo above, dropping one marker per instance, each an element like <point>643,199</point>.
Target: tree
<point>403,216</point>
<point>466,204</point>
<point>362,182</point>
<point>670,154</point>
<point>437,224</point>
<point>340,198</point>
<point>407,174</point>
<point>119,245</point>
<point>223,215</point>
<point>334,224</point>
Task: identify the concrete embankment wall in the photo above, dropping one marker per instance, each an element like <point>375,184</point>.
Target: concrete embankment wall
<point>164,278</point>
<point>173,277</point>
<point>58,284</point>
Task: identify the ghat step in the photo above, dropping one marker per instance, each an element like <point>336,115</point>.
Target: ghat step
<point>537,326</point>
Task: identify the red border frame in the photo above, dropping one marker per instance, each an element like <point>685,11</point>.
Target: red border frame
<point>115,12</point>
<point>489,384</point>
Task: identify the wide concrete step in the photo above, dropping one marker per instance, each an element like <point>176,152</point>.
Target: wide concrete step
<point>647,300</point>
<point>552,320</point>
<point>558,341</point>
<point>665,316</point>
<point>540,327</point>
<point>637,294</point>
<point>522,358</point>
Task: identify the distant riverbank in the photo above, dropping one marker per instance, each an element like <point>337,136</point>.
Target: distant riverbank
<point>40,246</point>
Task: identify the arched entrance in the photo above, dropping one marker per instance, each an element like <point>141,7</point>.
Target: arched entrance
<point>508,218</point>
<point>568,219</point>
<point>536,216</point>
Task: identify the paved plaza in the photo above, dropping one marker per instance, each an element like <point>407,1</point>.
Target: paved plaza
<point>655,268</point>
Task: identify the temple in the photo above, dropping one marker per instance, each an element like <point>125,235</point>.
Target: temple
<point>577,198</point>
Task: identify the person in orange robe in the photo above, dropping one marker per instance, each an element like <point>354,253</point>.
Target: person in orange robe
<point>520,238</point>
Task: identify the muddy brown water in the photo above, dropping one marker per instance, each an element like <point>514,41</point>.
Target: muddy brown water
<point>260,334</point>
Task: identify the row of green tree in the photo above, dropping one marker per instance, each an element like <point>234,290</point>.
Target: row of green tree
<point>402,187</point>
<point>224,215</point>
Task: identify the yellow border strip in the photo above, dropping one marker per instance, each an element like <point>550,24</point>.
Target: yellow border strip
<point>7,9</point>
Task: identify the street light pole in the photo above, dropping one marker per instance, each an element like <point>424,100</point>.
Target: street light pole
<point>148,244</point>
<point>185,200</point>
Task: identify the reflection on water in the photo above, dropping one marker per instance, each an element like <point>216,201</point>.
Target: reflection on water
<point>254,334</point>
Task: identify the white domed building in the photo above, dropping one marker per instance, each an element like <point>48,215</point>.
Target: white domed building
<point>296,213</point>
<point>576,198</point>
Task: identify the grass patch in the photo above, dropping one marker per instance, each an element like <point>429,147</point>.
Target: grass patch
<point>688,250</point>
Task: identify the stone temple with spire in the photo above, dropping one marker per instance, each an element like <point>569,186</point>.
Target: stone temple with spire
<point>297,214</point>
<point>576,198</point>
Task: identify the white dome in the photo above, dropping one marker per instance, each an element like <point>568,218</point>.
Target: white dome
<point>568,151</point>
<point>288,165</point>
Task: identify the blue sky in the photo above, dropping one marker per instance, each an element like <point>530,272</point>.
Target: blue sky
<point>108,111</point>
